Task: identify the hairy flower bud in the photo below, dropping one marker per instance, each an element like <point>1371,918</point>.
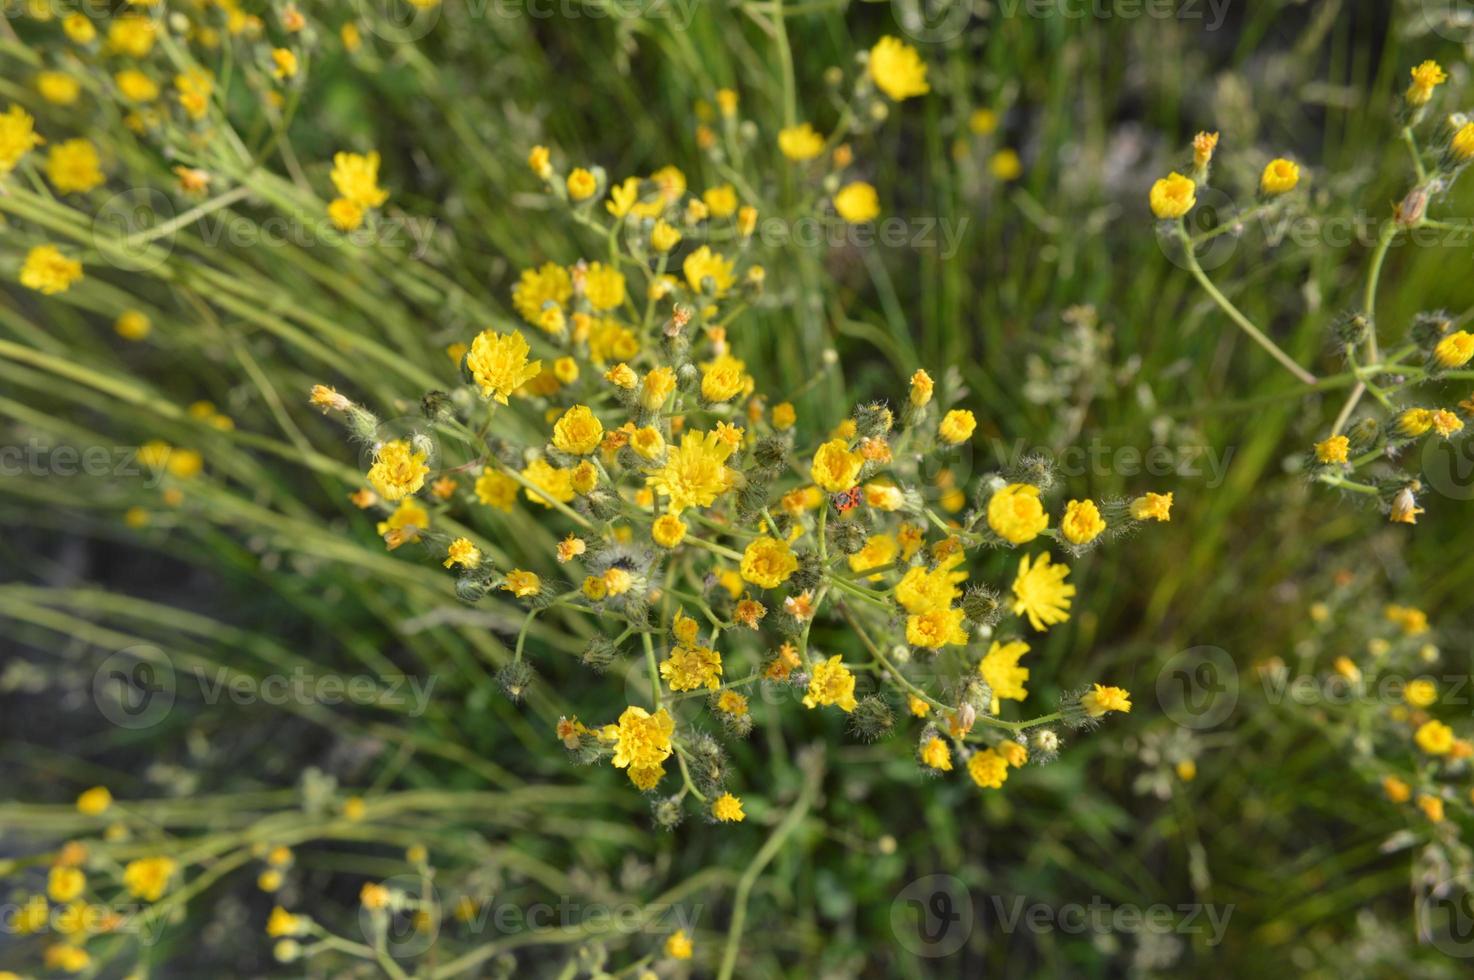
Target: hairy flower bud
<point>770,453</point>
<point>873,420</point>
<point>848,537</point>
<point>982,606</point>
<point>471,589</point>
<point>872,718</point>
<point>515,678</point>
<point>667,812</point>
<point>600,653</point>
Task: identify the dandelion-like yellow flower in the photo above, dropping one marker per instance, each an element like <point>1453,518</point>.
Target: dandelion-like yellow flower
<point>723,378</point>
<point>1102,699</point>
<point>498,364</point>
<point>1462,143</point>
<point>1434,737</point>
<point>537,289</point>
<point>721,201</point>
<point>1333,450</point>
<point>668,531</point>
<point>1280,176</point>
<point>58,88</point>
<point>768,562</point>
<point>1152,506</point>
<point>800,143</point>
<point>495,489</point>
<point>831,683</point>
<point>148,878</point>
<point>1456,349</point>
<point>1397,791</point>
<point>897,70</point>
<point>1426,77</point>
<point>1203,146</point>
<point>48,271</point>
<point>695,472</point>
<point>578,432</point>
<point>462,552</point>
<point>957,426</point>
<point>728,809</point>
<point>678,945</point>
<point>689,668</point>
<point>540,161</point>
<point>94,801</point>
<point>604,287</point>
<point>398,471</point>
<point>643,740</point>
<point>18,137</point>
<point>835,468</point>
<point>922,589</point>
<point>1016,514</point>
<point>1082,522</point>
<point>988,769</point>
<point>936,754</point>
<point>1040,592</point>
<point>1173,196</point>
<point>999,668</point>
<point>706,270</point>
<point>857,202</point>
<point>936,628</point>
<point>356,176</point>
<point>552,483</point>
<point>581,184</point>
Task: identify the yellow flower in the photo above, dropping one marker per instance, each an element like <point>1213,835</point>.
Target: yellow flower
<point>1445,423</point>
<point>405,524</point>
<point>581,184</point>
<point>642,740</point>
<point>539,288</point>
<point>768,562</point>
<point>800,143</point>
<point>936,628</point>
<point>1082,522</point>
<point>835,468</point>
<point>1332,450</point>
<point>1432,807</point>
<point>664,237</point>
<point>610,341</point>
<point>522,584</point>
<point>957,426</point>
<point>720,201</point>
<point>1420,693</point>
<point>498,364</point>
<point>578,432</point>
<point>462,552</point>
<point>688,668</point>
<point>1015,513</point>
<point>668,531</point>
<point>1279,177</point>
<point>656,387</point>
<point>603,286</point>
<point>584,478</point>
<point>1397,791</point>
<point>921,388</point>
<point>921,590</point>
<point>345,215</point>
<point>831,683</point>
<point>1462,143</point>
<point>373,896</point>
<point>678,945</point>
<point>552,483</point>
<point>78,28</point>
<point>64,884</point>
<point>988,769</point>
<point>283,64</point>
<point>936,754</point>
<point>94,801</point>
<point>981,122</point>
<point>1006,165</point>
<point>1040,592</point>
<point>1152,506</point>
<point>1413,622</point>
<point>917,707</point>
<point>194,87</point>
<point>398,471</point>
<point>495,489</point>
<point>57,87</point>
<point>879,550</point>
<point>1013,753</point>
<point>623,197</point>
<point>17,137</point>
<point>540,161</point>
<point>48,271</point>
<point>1173,196</point>
<point>897,70</point>
<point>1203,146</point>
<point>282,923</point>
<point>999,668</point>
<point>728,809</point>
<point>704,268</point>
<point>73,166</point>
<point>1414,421</point>
<point>857,202</point>
<point>647,443</point>
<point>1426,77</point>
<point>723,378</point>
<point>1434,737</point>
<point>695,472</point>
<point>1456,349</point>
<point>148,878</point>
<point>1102,699</point>
<point>132,35</point>
<point>356,176</point>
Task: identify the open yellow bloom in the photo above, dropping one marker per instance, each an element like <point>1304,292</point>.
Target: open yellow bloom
<point>999,668</point>
<point>148,878</point>
<point>1173,196</point>
<point>356,176</point>
<point>1456,349</point>
<point>897,70</point>
<point>857,202</point>
<point>643,739</point>
<point>957,426</point>
<point>707,269</point>
<point>695,472</point>
<point>462,552</point>
<point>1462,143</point>
<point>936,754</point>
<point>831,683</point>
<point>1426,77</point>
<point>689,668</point>
<point>1434,737</point>
<point>1332,450</point>
<point>835,468</point>
<point>542,288</point>
<point>522,584</point>
<point>1102,699</point>
<point>498,364</point>
<point>48,271</point>
<point>988,769</point>
<point>578,432</point>
<point>768,562</point>
<point>495,489</point>
<point>668,530</point>
<point>581,184</point>
<point>936,628</point>
<point>1279,177</point>
<point>800,143</point>
<point>1152,506</point>
<point>723,378</point>
<point>73,166</point>
<point>1082,522</point>
<point>17,137</point>
<point>552,482</point>
<point>1015,513</point>
<point>1040,592</point>
<point>398,470</point>
<point>728,809</point>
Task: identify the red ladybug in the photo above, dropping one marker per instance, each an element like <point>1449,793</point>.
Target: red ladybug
<point>847,500</point>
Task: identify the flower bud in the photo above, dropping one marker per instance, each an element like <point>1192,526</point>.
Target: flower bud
<point>872,718</point>
<point>667,812</point>
<point>436,406</point>
<point>515,678</point>
<point>471,589</point>
<point>600,653</point>
<point>982,606</point>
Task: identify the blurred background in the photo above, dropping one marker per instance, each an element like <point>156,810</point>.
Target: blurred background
<point>1247,821</point>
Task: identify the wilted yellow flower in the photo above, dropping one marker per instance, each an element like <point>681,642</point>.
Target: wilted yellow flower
<point>728,809</point>
<point>1203,146</point>
<point>1102,699</point>
<point>1152,506</point>
<point>936,754</point>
